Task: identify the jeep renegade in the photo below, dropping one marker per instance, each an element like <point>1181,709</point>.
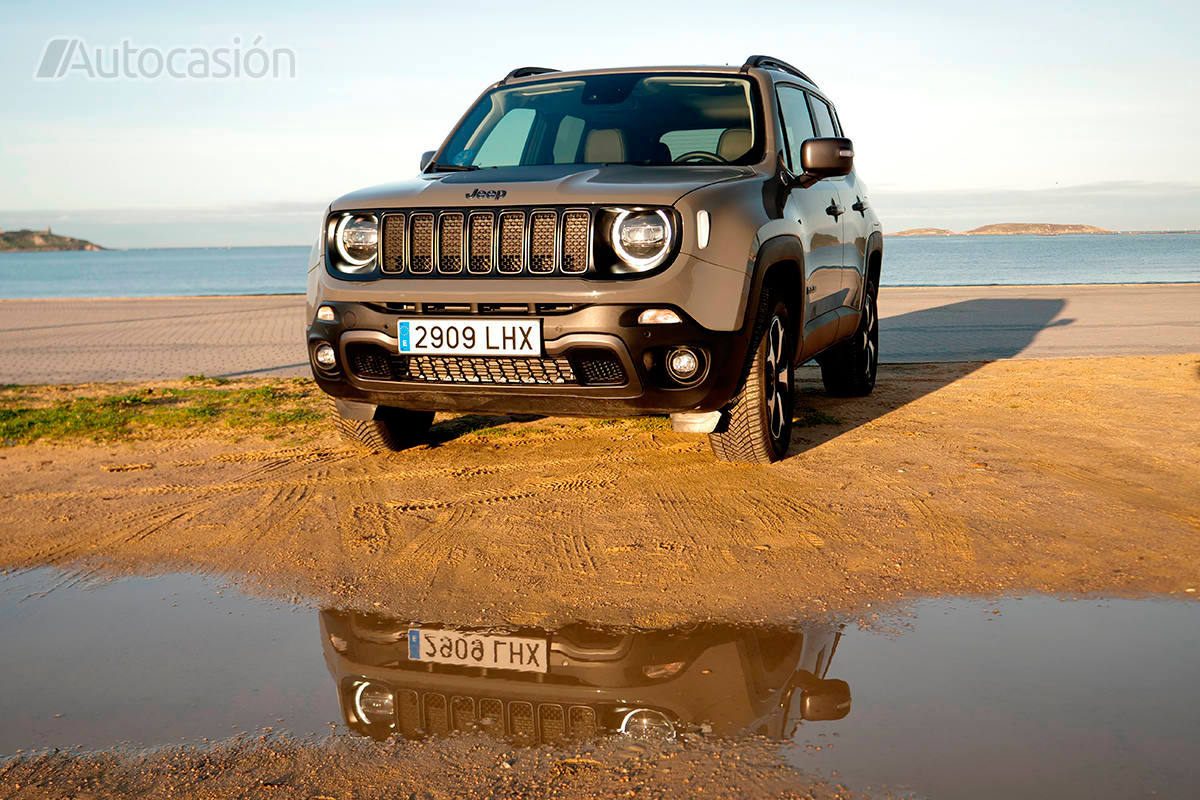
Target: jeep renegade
<point>607,243</point>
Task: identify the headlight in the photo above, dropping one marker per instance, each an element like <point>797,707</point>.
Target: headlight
<point>374,704</point>
<point>646,723</point>
<point>357,240</point>
<point>641,239</point>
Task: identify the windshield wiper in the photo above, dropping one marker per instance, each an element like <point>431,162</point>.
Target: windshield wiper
<point>454,168</point>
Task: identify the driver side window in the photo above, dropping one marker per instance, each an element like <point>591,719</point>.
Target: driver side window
<point>797,123</point>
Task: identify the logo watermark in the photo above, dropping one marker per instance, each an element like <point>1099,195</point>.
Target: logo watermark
<point>71,57</point>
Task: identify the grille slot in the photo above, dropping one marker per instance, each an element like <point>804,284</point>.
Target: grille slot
<point>512,242</point>
<point>408,708</point>
<point>462,713</point>
<point>576,226</point>
<point>393,243</point>
<point>437,719</point>
<point>450,243</point>
<point>520,721</point>
<point>474,242</point>
<point>491,715</point>
<point>552,721</point>
<point>541,241</point>
<point>581,722</point>
<point>421,258</point>
<point>479,257</point>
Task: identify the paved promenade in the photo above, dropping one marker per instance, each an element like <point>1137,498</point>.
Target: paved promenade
<point>68,341</point>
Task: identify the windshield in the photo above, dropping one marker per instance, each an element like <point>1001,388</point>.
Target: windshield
<point>624,118</point>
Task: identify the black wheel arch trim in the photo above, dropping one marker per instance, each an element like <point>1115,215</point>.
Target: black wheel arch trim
<point>781,249</point>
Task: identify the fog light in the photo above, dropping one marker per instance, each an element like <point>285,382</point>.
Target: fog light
<point>656,671</point>
<point>325,314</point>
<point>325,355</point>
<point>683,364</point>
<point>374,704</point>
<point>658,316</point>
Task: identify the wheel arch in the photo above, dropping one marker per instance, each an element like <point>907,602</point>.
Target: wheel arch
<point>780,265</point>
<point>874,258</point>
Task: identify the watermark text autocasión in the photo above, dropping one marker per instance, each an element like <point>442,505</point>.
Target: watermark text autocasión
<point>72,57</point>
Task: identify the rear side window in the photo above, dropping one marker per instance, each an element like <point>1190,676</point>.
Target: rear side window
<point>824,117</point>
<point>797,124</point>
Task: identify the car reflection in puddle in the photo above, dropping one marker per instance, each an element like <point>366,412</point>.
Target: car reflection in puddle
<point>393,679</point>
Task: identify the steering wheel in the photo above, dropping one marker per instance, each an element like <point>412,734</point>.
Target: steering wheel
<point>712,158</point>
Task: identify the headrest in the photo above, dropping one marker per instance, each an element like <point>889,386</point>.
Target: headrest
<point>604,145</point>
<point>734,143</point>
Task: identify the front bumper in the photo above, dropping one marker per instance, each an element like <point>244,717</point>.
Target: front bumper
<point>596,331</point>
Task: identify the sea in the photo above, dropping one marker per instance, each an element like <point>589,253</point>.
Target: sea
<point>907,261</point>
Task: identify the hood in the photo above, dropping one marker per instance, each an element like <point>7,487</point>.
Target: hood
<point>565,184</point>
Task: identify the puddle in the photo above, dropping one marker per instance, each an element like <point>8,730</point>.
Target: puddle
<point>1045,698</point>
<point>152,661</point>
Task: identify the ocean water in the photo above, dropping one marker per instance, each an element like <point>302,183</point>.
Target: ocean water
<point>907,261</point>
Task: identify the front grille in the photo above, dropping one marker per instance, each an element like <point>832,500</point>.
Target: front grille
<point>376,363</point>
<point>473,242</point>
<point>588,367</point>
<point>437,714</point>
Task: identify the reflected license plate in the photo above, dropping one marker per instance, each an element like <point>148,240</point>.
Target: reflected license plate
<point>459,337</point>
<point>441,646</point>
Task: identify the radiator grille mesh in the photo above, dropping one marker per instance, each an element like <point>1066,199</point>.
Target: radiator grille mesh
<point>474,242</point>
<point>450,244</point>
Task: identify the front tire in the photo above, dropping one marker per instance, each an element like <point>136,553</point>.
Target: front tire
<point>392,430</point>
<point>848,370</point>
<point>757,426</point>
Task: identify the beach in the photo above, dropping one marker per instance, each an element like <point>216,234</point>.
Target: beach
<point>76,340</point>
<point>1020,441</point>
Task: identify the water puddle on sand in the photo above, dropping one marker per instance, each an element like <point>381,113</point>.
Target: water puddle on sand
<point>1018,697</point>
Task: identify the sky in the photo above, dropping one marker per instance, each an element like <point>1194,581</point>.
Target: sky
<point>960,115</point>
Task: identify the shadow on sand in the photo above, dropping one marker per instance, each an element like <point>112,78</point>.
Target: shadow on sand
<point>962,337</point>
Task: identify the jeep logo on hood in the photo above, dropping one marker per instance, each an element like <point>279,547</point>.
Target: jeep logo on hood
<point>486,194</point>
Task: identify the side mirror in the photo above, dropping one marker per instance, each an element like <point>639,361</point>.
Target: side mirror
<point>827,158</point>
<point>427,158</point>
<point>818,699</point>
<point>829,701</point>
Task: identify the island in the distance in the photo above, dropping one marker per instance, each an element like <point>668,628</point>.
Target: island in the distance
<point>1008,229</point>
<point>26,241</point>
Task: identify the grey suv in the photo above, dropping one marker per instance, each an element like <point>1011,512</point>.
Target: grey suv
<point>606,243</point>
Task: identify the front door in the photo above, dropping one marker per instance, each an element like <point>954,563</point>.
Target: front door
<point>821,215</point>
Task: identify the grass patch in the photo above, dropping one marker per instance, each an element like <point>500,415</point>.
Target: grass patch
<point>196,404</point>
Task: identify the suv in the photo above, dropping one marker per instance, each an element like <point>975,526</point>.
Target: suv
<point>607,243</point>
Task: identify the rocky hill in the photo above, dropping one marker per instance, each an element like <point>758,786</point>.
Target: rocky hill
<point>1036,228</point>
<point>1007,229</point>
<point>925,232</point>
<point>26,241</point>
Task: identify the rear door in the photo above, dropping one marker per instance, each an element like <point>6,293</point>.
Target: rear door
<point>817,209</point>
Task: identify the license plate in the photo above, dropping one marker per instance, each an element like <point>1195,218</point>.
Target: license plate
<point>440,646</point>
<point>456,337</point>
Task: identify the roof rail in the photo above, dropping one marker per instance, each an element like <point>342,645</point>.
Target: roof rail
<point>770,62</point>
<point>525,72</point>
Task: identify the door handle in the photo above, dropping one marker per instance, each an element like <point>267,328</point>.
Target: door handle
<point>861,206</point>
<point>835,210</point>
